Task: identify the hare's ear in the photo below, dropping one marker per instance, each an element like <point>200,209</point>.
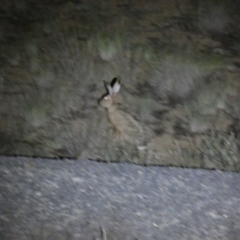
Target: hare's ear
<point>116,85</point>
<point>108,87</point>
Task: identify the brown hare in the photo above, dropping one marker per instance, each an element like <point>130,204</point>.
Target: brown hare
<point>126,128</point>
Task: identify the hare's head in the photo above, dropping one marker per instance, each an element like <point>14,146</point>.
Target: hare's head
<point>108,100</point>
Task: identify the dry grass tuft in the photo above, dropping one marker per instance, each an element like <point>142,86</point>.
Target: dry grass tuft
<point>213,16</point>
<point>175,78</point>
<point>219,150</point>
<point>205,103</point>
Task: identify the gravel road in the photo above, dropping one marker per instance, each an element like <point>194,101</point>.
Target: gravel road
<point>54,199</point>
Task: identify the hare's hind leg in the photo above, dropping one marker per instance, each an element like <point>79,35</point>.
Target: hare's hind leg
<point>117,135</point>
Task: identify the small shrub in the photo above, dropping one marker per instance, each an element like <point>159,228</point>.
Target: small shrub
<point>120,57</point>
<point>108,46</point>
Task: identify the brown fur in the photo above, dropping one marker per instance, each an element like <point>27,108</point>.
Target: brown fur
<point>126,128</point>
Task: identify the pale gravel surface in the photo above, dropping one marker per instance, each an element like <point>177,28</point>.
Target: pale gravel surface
<point>50,199</point>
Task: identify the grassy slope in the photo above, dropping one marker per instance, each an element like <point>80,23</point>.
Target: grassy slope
<point>176,82</point>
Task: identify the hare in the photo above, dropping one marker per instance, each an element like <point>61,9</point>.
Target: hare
<point>126,128</point>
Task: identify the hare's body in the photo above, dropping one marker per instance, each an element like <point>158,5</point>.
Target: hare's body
<point>125,126</point>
